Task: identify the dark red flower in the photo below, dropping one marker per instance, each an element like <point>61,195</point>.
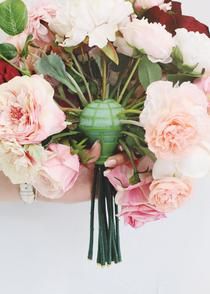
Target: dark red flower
<point>174,19</point>
<point>7,72</point>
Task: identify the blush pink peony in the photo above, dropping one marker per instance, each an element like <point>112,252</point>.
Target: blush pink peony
<point>28,113</point>
<point>169,193</point>
<point>58,173</point>
<point>175,118</point>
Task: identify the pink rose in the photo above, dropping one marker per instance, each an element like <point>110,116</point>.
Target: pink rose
<point>137,216</point>
<point>169,193</point>
<point>204,85</point>
<point>58,173</point>
<point>175,118</point>
<point>28,112</point>
<point>133,199</point>
<point>140,34</point>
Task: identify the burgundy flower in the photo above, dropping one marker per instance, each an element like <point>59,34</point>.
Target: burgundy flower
<point>174,19</point>
<point>7,72</point>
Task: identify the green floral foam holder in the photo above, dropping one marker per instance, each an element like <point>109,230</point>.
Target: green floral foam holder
<point>100,121</point>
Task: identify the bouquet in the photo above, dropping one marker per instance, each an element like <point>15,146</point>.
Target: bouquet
<point>119,85</point>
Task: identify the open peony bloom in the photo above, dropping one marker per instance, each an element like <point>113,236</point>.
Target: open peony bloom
<point>169,193</point>
<point>152,38</point>
<point>90,18</point>
<point>20,163</point>
<point>177,123</point>
<point>58,173</point>
<point>28,113</point>
<point>146,4</point>
<point>195,48</point>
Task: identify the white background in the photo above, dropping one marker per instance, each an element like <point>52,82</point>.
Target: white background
<point>43,247</point>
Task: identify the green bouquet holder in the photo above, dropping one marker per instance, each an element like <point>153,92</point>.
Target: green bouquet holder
<point>100,121</point>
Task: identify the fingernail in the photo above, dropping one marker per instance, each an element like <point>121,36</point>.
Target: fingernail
<point>110,163</point>
<point>95,143</point>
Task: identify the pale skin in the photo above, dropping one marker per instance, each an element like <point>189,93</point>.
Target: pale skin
<point>80,192</point>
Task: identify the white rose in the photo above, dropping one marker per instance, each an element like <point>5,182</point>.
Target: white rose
<point>195,48</point>
<point>153,38</point>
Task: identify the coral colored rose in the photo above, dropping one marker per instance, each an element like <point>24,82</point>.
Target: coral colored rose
<point>58,173</point>
<point>28,112</point>
<point>20,163</point>
<point>7,72</point>
<point>195,48</point>
<point>139,215</point>
<point>175,118</point>
<point>145,36</point>
<point>169,193</point>
<point>174,19</point>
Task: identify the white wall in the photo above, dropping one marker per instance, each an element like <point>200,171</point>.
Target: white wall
<point>43,247</point>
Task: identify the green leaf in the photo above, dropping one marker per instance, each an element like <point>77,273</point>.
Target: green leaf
<point>8,51</point>
<point>148,72</point>
<point>111,53</point>
<point>183,77</point>
<point>177,56</point>
<point>14,17</point>
<point>28,41</point>
<point>53,66</point>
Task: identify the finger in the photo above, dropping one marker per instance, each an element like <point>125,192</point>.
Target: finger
<point>94,152</point>
<point>116,160</point>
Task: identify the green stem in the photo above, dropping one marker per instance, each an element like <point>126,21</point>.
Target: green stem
<point>92,214</point>
<point>117,232</point>
<point>131,111</point>
<point>128,96</point>
<point>104,78</point>
<point>129,122</point>
<point>129,79</point>
<point>62,96</point>
<point>82,76</point>
<point>79,92</point>
<point>129,154</point>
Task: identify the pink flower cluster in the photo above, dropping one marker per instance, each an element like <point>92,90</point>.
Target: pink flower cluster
<point>28,116</point>
<point>149,200</point>
<point>177,127</point>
